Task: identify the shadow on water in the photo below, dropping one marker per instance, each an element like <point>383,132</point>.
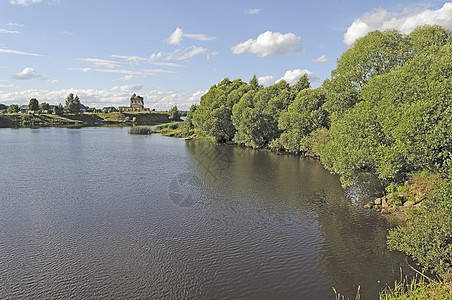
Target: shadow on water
<point>346,242</point>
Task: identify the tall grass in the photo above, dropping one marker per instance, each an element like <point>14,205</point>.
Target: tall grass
<point>140,130</point>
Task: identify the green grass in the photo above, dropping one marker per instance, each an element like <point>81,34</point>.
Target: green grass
<point>418,289</point>
<point>171,129</point>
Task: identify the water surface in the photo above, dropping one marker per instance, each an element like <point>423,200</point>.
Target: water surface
<point>98,213</point>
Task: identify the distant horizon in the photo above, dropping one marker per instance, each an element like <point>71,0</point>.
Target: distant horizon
<point>172,53</point>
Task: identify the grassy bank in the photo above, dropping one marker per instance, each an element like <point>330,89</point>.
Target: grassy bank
<point>83,119</point>
<point>176,129</point>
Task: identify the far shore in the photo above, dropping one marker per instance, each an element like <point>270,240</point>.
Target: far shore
<point>18,120</point>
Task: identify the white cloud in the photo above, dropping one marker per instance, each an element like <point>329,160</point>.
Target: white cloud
<point>131,60</point>
<point>8,31</point>
<point>30,73</point>
<point>144,73</point>
<point>97,62</point>
<point>252,11</point>
<point>292,76</point>
<point>405,22</point>
<point>266,80</point>
<point>322,59</point>
<point>212,55</point>
<point>24,2</point>
<point>125,78</point>
<point>178,35</point>
<point>16,24</point>
<point>196,97</point>
<point>18,52</point>
<point>9,86</point>
<point>136,60</point>
<point>269,43</point>
<point>185,53</point>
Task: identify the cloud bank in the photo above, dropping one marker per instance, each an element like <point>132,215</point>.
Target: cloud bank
<point>405,22</point>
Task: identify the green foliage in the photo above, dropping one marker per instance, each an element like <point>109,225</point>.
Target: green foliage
<point>256,115</point>
<point>404,120</point>
<point>72,104</point>
<point>140,130</point>
<point>376,53</point>
<point>353,142</point>
<point>171,129</point>
<point>13,108</point>
<point>418,289</point>
<point>44,106</point>
<point>254,84</point>
<point>188,123</point>
<point>212,117</point>
<point>33,105</point>
<point>174,114</point>
<point>58,109</point>
<point>428,236</point>
<point>302,117</point>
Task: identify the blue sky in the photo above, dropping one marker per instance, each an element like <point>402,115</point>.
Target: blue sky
<point>171,52</point>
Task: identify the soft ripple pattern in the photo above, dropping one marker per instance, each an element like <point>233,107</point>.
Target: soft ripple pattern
<point>90,213</point>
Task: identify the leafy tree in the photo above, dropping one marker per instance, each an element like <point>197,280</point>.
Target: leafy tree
<point>403,124</point>
<point>302,84</point>
<point>33,105</point>
<point>374,54</point>
<point>58,109</point>
<point>44,106</point>
<point>13,108</point>
<point>254,84</point>
<point>188,123</point>
<point>174,113</point>
<point>72,104</point>
<point>213,117</point>
<point>305,115</point>
<point>256,115</point>
<point>424,37</point>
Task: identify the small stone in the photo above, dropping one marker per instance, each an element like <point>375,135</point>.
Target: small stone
<point>384,203</point>
<point>408,203</point>
<point>378,201</point>
<point>369,205</point>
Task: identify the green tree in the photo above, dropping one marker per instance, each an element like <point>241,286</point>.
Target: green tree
<point>58,109</point>
<point>305,115</point>
<point>254,83</point>
<point>72,104</point>
<point>33,105</point>
<point>13,108</point>
<point>374,54</point>
<point>302,84</point>
<point>44,106</point>
<point>174,114</point>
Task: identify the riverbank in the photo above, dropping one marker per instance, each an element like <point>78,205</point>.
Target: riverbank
<point>83,119</point>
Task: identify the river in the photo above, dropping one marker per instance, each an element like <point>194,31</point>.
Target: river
<point>99,213</point>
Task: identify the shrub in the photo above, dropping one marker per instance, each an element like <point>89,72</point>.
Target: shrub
<point>428,236</point>
<point>140,130</point>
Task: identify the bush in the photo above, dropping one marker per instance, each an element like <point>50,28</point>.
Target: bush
<point>140,130</point>
<point>428,235</point>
